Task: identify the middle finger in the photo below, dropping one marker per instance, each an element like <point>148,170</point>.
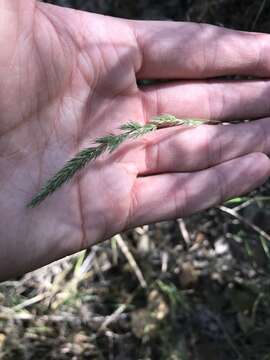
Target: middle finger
<point>209,99</point>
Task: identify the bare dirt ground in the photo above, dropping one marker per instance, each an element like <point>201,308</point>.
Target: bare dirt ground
<point>192,289</point>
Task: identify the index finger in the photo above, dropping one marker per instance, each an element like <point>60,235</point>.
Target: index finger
<point>173,50</point>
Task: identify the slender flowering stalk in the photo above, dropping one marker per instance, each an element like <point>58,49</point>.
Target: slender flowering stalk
<point>107,143</point>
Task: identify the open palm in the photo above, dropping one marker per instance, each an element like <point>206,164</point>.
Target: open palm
<point>67,77</point>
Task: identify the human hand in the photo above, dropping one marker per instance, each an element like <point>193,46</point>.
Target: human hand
<point>68,77</point>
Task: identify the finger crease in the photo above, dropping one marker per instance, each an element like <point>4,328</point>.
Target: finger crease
<point>222,193</point>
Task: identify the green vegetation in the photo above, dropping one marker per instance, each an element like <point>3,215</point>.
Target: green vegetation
<point>108,143</point>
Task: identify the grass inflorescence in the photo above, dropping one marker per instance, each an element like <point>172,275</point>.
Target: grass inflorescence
<point>108,143</point>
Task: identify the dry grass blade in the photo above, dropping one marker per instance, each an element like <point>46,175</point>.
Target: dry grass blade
<point>115,315</point>
<point>184,232</point>
<point>246,222</point>
<point>124,248</point>
<point>258,14</point>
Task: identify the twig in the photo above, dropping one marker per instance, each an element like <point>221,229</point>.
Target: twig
<point>164,261</point>
<point>122,245</point>
<point>116,314</point>
<point>246,222</point>
<point>228,337</point>
<point>184,232</point>
<point>34,300</point>
<point>258,14</point>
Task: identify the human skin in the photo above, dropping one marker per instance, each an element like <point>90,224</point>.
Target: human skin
<point>67,77</point>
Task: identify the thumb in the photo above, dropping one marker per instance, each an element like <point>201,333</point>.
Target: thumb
<point>16,19</point>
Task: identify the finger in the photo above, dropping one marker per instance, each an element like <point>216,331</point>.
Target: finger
<point>17,6</point>
<point>191,149</point>
<point>219,100</point>
<point>189,50</point>
<point>15,15</point>
<point>169,196</point>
